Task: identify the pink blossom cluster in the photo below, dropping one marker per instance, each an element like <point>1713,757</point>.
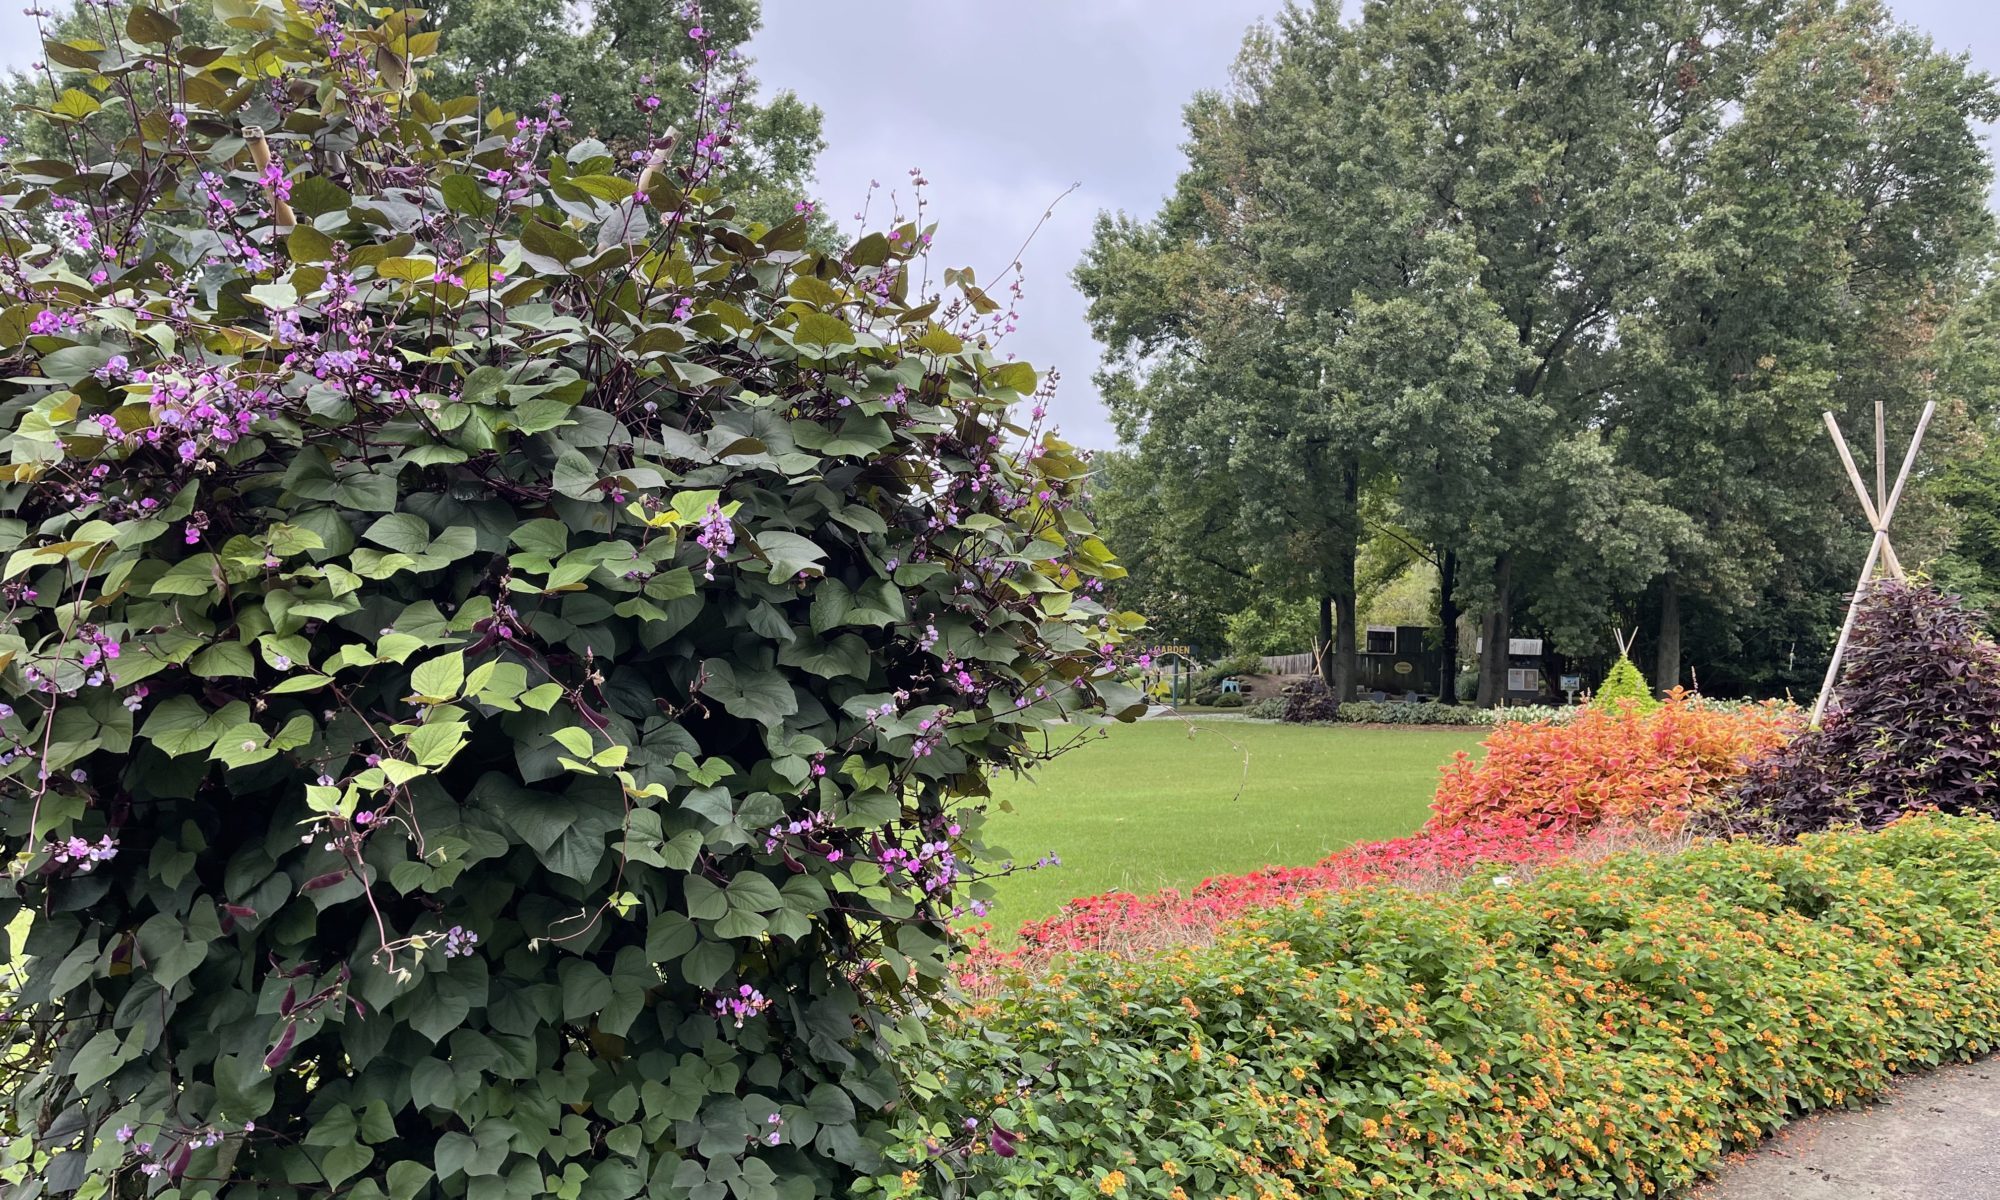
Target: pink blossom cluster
<point>83,855</point>
<point>744,1004</point>
<point>195,410</point>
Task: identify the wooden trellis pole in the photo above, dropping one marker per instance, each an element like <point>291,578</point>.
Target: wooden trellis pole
<point>1879,509</point>
<point>260,153</point>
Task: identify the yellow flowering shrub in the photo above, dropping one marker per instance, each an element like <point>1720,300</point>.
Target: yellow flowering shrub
<point>1606,1030</point>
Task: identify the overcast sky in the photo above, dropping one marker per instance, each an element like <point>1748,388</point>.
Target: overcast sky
<point>1005,105</point>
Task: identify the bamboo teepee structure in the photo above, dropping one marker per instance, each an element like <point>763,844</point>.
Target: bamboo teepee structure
<point>1879,509</point>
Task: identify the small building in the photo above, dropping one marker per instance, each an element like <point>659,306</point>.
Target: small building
<point>1398,661</point>
<point>1391,662</point>
<point>1528,681</point>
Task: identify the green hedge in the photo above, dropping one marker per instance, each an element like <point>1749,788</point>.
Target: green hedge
<point>1375,712</point>
<point>1380,712</point>
<point>1602,1031</point>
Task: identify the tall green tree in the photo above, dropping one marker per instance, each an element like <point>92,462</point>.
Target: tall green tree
<point>1571,280</point>
<point>1829,230</point>
<point>1194,578</point>
<point>1967,356</point>
<point>1212,380</point>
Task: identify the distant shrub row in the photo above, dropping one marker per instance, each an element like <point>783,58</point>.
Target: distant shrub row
<point>1382,712</point>
<point>1599,1031</point>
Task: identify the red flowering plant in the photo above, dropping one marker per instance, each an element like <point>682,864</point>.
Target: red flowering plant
<point>500,656</point>
<point>1122,924</point>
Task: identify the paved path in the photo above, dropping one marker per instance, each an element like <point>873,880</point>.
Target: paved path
<point>1934,1136</point>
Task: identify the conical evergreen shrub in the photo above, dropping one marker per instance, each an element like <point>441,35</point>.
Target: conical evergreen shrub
<point>1625,688</point>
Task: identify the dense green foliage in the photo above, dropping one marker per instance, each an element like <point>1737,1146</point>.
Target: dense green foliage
<point>1372,712</point>
<point>627,74</point>
<point>1970,567</point>
<point>1270,708</point>
<point>1624,686</point>
<point>1915,723</point>
<point>499,679</point>
<point>1557,293</point>
<point>1602,1031</point>
<point>1189,599</point>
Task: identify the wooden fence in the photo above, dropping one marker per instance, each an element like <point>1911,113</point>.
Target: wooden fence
<point>1289,664</point>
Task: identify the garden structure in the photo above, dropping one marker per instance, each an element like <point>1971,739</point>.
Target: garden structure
<point>1879,510</point>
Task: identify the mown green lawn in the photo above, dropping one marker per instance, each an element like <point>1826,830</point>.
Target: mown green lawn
<point>1170,803</point>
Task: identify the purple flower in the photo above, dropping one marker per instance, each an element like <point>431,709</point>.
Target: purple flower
<point>746,1003</point>
<point>717,534</point>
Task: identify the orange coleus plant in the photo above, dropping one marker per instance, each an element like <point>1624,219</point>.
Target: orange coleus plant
<point>1654,768</point>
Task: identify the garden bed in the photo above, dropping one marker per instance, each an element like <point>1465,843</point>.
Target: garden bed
<point>1602,1030</point>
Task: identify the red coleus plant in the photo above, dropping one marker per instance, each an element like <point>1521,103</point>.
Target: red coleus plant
<point>1654,769</point>
<point>1125,923</point>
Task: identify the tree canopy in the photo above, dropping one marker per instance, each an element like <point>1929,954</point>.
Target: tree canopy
<point>1567,287</point>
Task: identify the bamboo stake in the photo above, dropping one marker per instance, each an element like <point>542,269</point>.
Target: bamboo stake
<point>652,172</point>
<point>1874,549</point>
<point>1861,492</point>
<point>1847,626</point>
<point>1881,457</point>
<point>260,153</point>
<point>1909,460</point>
<point>657,161</point>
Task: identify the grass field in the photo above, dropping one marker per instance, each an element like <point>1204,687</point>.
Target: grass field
<point>1153,805</point>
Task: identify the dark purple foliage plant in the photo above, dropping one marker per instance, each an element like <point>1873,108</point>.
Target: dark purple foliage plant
<point>1310,702</point>
<point>1915,724</point>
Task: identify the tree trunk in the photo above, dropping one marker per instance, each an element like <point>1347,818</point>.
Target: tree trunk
<point>1323,651</point>
<point>1343,636</point>
<point>1336,628</point>
<point>1667,663</point>
<point>1448,619</point>
<point>1494,631</point>
<point>1342,586</point>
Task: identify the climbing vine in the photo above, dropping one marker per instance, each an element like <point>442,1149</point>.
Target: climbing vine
<point>500,656</point>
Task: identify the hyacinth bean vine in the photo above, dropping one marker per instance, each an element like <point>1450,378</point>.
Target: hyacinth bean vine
<point>500,657</point>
